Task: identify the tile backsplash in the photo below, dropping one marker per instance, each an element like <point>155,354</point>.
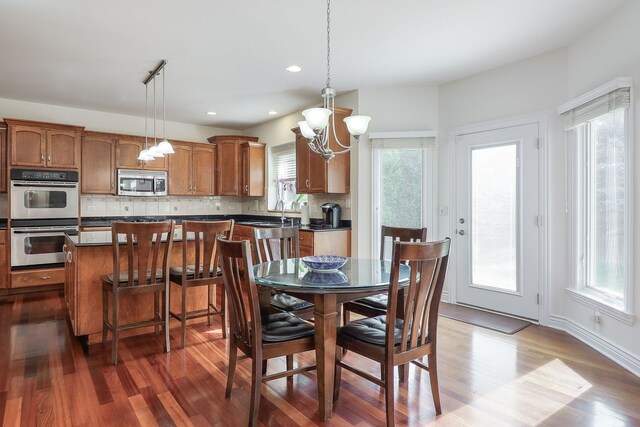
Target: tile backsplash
<point>98,206</point>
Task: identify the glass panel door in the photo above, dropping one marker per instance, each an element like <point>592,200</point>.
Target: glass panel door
<point>494,216</point>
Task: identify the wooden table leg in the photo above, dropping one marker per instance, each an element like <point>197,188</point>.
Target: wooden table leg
<point>325,319</point>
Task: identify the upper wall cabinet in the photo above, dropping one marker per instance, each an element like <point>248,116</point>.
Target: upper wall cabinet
<point>191,169</point>
<point>127,151</point>
<point>313,173</point>
<point>240,165</point>
<point>3,158</point>
<point>98,163</point>
<point>49,145</point>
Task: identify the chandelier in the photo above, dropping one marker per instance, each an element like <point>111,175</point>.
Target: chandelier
<point>315,127</point>
<point>164,147</point>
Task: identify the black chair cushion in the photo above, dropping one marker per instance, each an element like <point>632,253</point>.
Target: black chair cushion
<point>371,330</point>
<point>288,302</point>
<point>279,327</point>
<point>124,275</point>
<point>191,270</point>
<point>375,301</point>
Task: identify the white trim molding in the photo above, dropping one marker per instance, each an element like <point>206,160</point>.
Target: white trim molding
<point>618,83</point>
<point>597,342</point>
<point>583,297</point>
<point>403,135</point>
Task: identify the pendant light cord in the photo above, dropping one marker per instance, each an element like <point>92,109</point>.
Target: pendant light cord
<point>164,111</point>
<point>146,113</point>
<point>328,43</point>
<point>154,111</point>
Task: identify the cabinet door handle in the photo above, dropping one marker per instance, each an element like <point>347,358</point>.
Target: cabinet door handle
<point>306,182</point>
<point>246,188</point>
<point>42,157</point>
<point>49,156</point>
<point>45,277</point>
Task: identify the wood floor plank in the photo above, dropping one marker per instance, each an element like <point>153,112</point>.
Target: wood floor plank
<point>538,376</point>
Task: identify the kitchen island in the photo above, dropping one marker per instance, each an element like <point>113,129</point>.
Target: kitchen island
<point>89,255</point>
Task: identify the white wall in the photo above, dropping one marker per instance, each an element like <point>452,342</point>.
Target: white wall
<point>608,51</point>
<point>408,108</point>
<point>103,122</point>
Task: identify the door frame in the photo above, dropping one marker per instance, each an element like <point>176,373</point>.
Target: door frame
<point>541,119</point>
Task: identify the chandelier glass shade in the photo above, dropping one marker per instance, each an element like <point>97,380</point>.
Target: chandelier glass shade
<point>315,127</point>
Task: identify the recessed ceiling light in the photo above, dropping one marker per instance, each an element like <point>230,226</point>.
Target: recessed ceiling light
<point>211,113</point>
<point>272,113</point>
<point>293,68</point>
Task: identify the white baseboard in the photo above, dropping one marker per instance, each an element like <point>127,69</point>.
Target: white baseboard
<point>598,343</point>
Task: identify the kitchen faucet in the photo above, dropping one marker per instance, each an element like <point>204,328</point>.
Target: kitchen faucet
<point>282,218</point>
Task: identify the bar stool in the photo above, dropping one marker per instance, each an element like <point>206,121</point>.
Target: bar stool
<point>146,257</point>
<point>200,268</point>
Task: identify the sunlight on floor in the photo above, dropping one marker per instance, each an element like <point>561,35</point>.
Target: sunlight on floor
<point>530,399</point>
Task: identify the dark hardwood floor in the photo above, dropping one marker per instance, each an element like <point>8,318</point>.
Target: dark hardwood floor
<point>538,376</point>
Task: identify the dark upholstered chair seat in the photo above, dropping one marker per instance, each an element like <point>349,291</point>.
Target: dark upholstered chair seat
<point>288,302</point>
<point>279,327</point>
<point>375,301</point>
<point>177,270</point>
<point>124,275</point>
<point>371,330</point>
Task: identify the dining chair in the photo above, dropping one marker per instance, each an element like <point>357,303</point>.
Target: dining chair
<point>393,341</point>
<point>376,305</point>
<point>282,243</point>
<point>258,335</point>
<point>147,271</point>
<point>203,271</point>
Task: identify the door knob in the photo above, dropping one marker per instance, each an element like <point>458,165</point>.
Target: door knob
<point>461,232</point>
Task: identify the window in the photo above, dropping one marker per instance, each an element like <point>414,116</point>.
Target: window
<point>282,188</point>
<point>403,185</point>
<point>599,184</point>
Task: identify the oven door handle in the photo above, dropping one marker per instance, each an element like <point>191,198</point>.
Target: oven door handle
<point>14,231</point>
<point>41,184</point>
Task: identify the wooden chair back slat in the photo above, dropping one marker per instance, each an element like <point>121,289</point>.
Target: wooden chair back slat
<point>206,247</point>
<point>246,325</point>
<point>400,234</point>
<point>276,243</point>
<point>146,252</point>
<point>428,263</point>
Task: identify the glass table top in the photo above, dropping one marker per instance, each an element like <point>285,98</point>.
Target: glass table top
<point>357,274</point>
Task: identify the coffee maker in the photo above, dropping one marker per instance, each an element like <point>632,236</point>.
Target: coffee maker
<point>331,215</point>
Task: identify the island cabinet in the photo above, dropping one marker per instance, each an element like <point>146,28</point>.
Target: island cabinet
<point>128,149</point>
<point>191,169</point>
<point>313,173</point>
<point>4,262</point>
<point>98,163</point>
<point>86,263</point>
<point>44,145</point>
<point>240,165</point>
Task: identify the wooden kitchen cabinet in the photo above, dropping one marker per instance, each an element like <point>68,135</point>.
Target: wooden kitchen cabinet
<point>127,151</point>
<point>240,165</point>
<point>313,173</point>
<point>46,145</point>
<point>71,281</point>
<point>191,169</point>
<point>3,158</point>
<point>253,168</point>
<point>98,163</point>
<point>4,261</point>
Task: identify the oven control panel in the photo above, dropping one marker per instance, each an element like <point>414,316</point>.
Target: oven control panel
<point>44,175</point>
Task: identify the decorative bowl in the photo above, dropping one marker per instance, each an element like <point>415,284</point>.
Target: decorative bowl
<point>324,262</point>
<point>318,277</point>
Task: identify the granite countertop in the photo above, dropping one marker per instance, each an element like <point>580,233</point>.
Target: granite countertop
<point>249,220</point>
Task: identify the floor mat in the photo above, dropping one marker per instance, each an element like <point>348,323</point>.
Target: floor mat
<point>496,322</point>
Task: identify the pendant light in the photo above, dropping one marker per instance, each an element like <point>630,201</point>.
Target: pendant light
<point>157,150</point>
<point>315,127</point>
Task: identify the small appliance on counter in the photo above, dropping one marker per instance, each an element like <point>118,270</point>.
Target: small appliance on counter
<point>331,215</point>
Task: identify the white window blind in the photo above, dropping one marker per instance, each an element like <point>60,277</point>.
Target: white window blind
<point>603,104</point>
<point>284,161</point>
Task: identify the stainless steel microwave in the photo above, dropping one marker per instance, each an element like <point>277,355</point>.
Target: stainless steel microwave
<point>133,182</point>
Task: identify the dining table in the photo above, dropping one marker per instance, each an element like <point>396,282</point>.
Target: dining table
<point>327,289</point>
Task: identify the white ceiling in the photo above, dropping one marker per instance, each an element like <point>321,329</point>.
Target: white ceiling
<point>230,56</point>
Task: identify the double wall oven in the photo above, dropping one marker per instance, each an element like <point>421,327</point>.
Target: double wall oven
<point>44,206</point>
